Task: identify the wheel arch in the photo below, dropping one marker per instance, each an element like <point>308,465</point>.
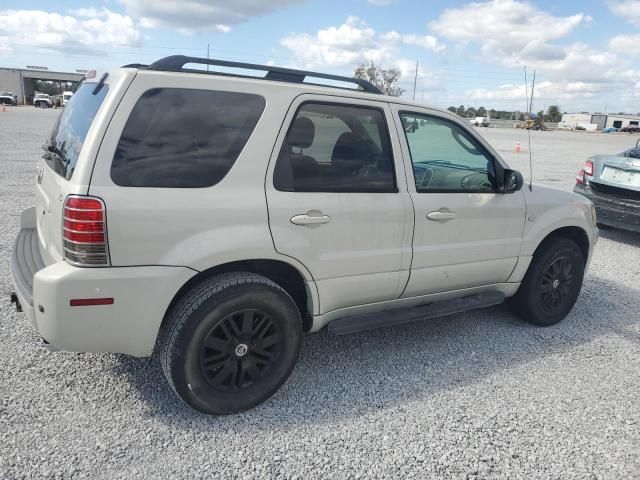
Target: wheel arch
<point>577,234</point>
<point>284,274</point>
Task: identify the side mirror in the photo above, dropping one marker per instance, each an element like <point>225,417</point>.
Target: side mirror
<point>513,181</point>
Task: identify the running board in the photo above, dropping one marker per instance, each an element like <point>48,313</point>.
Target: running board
<point>344,326</point>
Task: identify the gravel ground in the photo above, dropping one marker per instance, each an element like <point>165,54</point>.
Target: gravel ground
<point>475,395</point>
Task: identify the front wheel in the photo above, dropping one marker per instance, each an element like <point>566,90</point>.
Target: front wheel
<point>230,343</point>
<point>552,283</point>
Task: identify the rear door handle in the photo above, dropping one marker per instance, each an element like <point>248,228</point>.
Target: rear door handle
<point>441,215</point>
<point>306,219</point>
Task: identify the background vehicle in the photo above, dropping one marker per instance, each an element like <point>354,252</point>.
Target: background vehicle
<point>42,100</point>
<point>531,124</point>
<point>480,122</point>
<point>66,96</point>
<point>612,183</point>
<point>253,210</point>
<point>62,99</point>
<point>8,98</point>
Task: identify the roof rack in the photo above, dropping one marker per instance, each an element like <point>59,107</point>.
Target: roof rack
<point>176,63</point>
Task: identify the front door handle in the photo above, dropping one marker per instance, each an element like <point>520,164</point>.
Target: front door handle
<point>310,218</point>
<point>441,215</point>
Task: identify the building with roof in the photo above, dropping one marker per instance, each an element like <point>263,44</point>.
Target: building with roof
<point>21,81</point>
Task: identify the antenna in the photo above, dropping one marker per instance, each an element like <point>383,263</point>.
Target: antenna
<point>526,91</point>
<point>533,86</point>
<point>415,81</point>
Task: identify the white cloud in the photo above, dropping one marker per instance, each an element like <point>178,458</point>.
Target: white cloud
<point>188,16</point>
<point>544,91</point>
<point>428,42</point>
<point>87,30</point>
<point>512,33</point>
<point>352,43</point>
<point>628,44</point>
<point>629,9</point>
<point>509,30</point>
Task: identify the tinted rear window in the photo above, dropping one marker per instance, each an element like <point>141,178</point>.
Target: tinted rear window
<point>71,128</point>
<point>184,138</point>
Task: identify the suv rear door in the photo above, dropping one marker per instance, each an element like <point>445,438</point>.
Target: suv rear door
<point>466,233</point>
<point>337,199</point>
<point>66,162</point>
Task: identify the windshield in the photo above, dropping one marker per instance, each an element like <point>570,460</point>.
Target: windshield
<point>71,129</point>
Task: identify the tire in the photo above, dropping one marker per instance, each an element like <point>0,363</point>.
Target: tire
<point>552,283</point>
<point>230,343</point>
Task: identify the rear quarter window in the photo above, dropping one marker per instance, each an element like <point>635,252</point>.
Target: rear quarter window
<point>184,138</point>
<point>70,130</point>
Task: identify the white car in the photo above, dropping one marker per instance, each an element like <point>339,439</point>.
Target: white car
<point>215,219</point>
<point>8,98</point>
<point>66,96</point>
<point>42,100</point>
<point>481,122</point>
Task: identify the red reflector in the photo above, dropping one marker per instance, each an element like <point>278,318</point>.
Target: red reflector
<point>84,237</point>
<point>580,177</point>
<point>88,302</point>
<point>84,226</point>
<point>588,168</point>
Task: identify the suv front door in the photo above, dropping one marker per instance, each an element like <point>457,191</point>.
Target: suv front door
<point>467,234</point>
<point>337,200</point>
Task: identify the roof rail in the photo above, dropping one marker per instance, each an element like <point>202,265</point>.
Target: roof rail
<point>175,63</point>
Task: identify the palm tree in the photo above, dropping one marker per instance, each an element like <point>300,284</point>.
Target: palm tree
<point>554,113</point>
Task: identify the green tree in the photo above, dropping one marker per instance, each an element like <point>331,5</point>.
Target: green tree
<point>452,109</point>
<point>47,86</point>
<point>470,112</point>
<point>460,110</point>
<point>493,114</point>
<point>554,113</point>
<point>385,79</point>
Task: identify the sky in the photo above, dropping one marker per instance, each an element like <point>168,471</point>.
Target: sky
<point>586,54</point>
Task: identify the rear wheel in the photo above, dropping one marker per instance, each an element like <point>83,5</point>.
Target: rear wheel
<point>230,343</point>
<point>552,284</point>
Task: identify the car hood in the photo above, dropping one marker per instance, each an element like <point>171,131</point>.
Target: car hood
<point>616,171</point>
<point>543,194</point>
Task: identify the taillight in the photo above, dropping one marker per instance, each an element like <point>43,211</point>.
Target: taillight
<point>580,177</point>
<point>84,231</point>
<point>588,168</point>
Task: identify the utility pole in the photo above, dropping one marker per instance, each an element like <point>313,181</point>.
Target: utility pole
<point>415,81</point>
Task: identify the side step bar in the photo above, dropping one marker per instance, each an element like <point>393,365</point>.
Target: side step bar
<point>344,326</point>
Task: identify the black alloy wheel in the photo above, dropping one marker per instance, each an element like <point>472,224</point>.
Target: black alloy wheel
<point>239,350</point>
<point>557,284</point>
<point>230,342</point>
<point>552,284</point>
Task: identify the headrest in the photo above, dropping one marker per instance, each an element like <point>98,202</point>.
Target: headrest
<point>350,152</point>
<point>302,133</point>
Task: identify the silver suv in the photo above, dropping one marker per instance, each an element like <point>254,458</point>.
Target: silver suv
<point>214,218</point>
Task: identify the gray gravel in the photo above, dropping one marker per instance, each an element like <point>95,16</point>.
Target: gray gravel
<point>476,395</point>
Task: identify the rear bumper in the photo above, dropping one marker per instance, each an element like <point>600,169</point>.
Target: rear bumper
<point>130,325</point>
<point>613,211</point>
